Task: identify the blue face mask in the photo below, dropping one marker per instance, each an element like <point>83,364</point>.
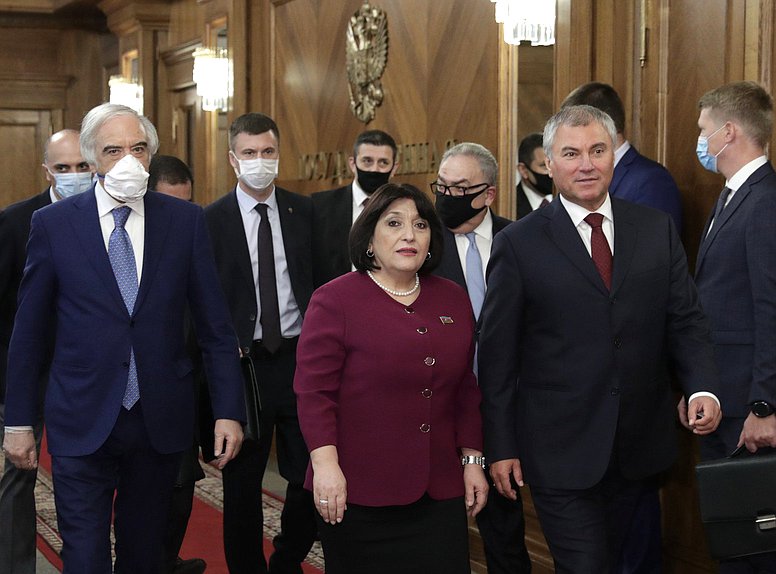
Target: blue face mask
<point>69,184</point>
<point>702,150</point>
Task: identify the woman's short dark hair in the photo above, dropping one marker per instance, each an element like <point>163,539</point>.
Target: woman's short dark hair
<point>364,228</point>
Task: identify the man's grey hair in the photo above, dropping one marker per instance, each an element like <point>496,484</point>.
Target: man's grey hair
<point>575,116</point>
<point>488,163</point>
<point>95,119</point>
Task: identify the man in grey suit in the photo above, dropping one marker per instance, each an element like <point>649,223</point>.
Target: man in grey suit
<point>373,163</point>
<point>465,189</point>
<point>736,275</point>
<point>68,174</point>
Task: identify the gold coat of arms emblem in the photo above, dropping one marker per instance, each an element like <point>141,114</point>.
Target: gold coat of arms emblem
<point>366,53</point>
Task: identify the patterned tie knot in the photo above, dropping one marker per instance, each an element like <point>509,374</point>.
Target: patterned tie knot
<point>594,220</point>
<point>120,215</point>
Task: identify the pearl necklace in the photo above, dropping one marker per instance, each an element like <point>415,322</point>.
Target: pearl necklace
<point>393,291</point>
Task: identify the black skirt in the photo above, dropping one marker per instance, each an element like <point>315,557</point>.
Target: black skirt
<point>425,537</point>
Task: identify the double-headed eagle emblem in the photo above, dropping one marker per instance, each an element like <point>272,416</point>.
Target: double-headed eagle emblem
<point>366,52</point>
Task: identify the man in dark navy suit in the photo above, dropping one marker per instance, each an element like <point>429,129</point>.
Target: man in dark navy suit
<point>68,174</point>
<point>465,189</point>
<point>640,180</point>
<point>111,272</point>
<point>636,177</point>
<point>261,239</point>
<point>736,275</point>
<point>373,163</point>
<point>590,309</point>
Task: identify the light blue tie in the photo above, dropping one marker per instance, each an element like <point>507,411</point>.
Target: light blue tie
<point>122,259</point>
<point>475,280</point>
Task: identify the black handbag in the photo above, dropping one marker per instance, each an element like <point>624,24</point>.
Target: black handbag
<point>738,503</point>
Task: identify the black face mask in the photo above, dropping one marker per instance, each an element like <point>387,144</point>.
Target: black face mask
<point>371,180</point>
<point>454,210</point>
<point>543,182</point>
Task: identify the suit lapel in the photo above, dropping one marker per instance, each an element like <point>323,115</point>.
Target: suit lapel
<point>563,233</point>
<point>157,225</point>
<point>234,236</point>
<point>738,198</point>
<point>450,260</point>
<point>86,225</point>
<point>288,227</point>
<point>625,238</point>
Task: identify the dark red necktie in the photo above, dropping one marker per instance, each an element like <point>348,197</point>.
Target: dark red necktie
<point>599,248</point>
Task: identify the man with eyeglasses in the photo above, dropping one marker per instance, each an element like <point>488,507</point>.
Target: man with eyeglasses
<point>465,189</point>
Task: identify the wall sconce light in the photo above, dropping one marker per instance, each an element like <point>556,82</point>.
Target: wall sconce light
<point>527,21</point>
<point>126,92</point>
<point>213,76</point>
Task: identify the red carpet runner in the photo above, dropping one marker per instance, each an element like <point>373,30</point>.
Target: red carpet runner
<point>204,537</point>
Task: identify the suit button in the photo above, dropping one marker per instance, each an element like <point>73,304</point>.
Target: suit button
<point>132,323</point>
<point>425,427</point>
<point>427,393</point>
<point>125,364</point>
<point>252,317</point>
<point>422,330</point>
<point>409,310</point>
<point>246,351</point>
<point>617,343</point>
<point>429,361</point>
<point>615,391</point>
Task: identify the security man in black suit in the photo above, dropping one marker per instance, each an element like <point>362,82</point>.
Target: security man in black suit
<point>262,245</point>
<point>534,190</point>
<point>68,174</point>
<point>465,189</point>
<point>373,163</point>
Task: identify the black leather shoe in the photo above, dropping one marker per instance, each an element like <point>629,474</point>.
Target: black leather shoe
<point>190,566</point>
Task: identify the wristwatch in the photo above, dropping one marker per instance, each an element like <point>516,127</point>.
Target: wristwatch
<point>471,459</point>
<point>762,409</point>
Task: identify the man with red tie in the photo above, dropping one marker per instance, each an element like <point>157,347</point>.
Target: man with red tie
<point>589,311</point>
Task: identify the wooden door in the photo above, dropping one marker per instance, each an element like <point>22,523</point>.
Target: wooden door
<point>23,133</point>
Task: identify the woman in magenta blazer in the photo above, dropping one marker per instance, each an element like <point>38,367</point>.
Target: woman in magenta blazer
<point>387,400</point>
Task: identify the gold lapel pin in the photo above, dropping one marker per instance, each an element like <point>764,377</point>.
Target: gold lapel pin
<point>446,320</point>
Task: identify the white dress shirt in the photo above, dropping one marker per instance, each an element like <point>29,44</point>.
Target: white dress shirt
<point>135,225</point>
<point>290,316</point>
<point>577,213</point>
<point>533,196</point>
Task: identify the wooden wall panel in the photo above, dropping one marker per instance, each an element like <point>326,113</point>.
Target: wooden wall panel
<point>22,135</point>
<point>50,75</point>
<point>436,87</point>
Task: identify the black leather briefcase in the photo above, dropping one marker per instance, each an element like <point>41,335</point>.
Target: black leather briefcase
<point>252,399</point>
<point>738,503</point>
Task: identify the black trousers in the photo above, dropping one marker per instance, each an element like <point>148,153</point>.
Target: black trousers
<point>502,528</point>
<point>426,537</point>
<point>585,529</point>
<point>242,477</point>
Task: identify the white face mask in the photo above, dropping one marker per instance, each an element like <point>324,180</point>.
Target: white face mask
<point>127,180</point>
<point>257,173</point>
<point>70,184</point>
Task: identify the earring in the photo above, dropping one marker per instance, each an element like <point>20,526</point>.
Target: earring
<point>370,253</point>
<point>428,256</point>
